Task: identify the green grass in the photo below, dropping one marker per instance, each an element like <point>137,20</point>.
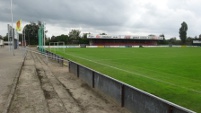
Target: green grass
<point>173,74</point>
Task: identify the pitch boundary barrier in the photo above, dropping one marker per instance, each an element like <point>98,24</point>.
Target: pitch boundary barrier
<point>125,95</point>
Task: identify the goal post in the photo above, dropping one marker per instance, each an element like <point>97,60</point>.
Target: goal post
<point>61,44</point>
<point>55,45</point>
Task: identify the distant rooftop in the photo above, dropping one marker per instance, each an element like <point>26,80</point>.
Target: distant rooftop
<point>152,37</point>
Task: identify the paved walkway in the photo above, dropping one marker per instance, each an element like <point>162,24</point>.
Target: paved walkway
<point>9,67</point>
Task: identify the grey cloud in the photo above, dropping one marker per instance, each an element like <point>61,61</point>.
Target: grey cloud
<point>92,12</point>
<point>110,16</point>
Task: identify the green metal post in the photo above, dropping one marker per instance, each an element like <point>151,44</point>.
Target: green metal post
<point>40,38</point>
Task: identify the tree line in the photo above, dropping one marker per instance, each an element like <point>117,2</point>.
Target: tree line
<point>31,35</point>
<point>184,40</point>
<point>74,36</point>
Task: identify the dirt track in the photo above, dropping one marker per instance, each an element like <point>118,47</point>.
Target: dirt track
<point>48,87</point>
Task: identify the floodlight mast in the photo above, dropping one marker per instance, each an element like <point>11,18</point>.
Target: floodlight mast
<point>44,35</point>
<point>12,32</point>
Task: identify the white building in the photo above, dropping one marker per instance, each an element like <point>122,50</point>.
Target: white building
<point>1,42</point>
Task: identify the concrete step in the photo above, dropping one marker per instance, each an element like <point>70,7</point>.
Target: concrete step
<point>29,97</point>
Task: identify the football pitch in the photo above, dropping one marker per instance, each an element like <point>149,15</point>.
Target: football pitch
<point>173,74</point>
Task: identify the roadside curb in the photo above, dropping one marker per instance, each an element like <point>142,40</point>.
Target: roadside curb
<point>14,85</point>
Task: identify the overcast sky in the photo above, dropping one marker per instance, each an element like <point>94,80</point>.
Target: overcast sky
<point>114,17</point>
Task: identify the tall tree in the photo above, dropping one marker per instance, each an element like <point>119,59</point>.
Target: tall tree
<point>60,38</point>
<point>183,32</point>
<point>83,39</point>
<point>74,36</point>
<point>31,33</point>
<point>162,41</point>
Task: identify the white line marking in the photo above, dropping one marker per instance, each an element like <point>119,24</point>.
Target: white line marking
<point>150,69</point>
<point>138,74</point>
<point>113,59</point>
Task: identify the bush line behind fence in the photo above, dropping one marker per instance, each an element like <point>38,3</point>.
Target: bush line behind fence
<point>133,99</point>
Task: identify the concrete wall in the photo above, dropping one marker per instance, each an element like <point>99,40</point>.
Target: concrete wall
<point>86,75</point>
<point>108,86</point>
<point>133,99</point>
<point>73,68</point>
